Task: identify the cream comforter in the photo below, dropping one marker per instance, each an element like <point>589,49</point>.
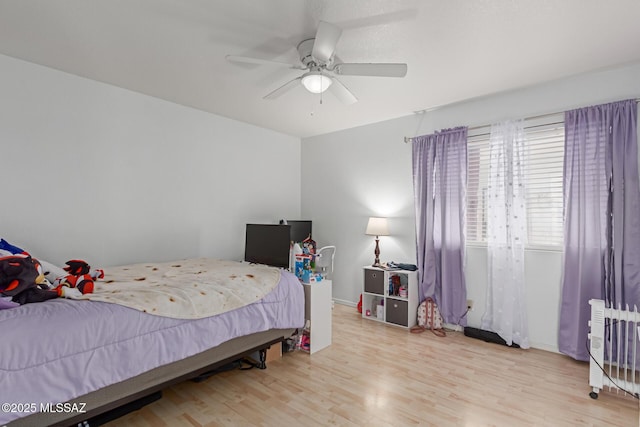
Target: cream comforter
<point>186,289</point>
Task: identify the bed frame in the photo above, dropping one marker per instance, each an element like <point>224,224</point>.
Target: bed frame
<point>134,391</point>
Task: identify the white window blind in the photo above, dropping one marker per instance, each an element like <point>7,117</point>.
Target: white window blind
<point>545,151</point>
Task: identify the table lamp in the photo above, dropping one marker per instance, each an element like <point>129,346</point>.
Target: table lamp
<point>377,227</point>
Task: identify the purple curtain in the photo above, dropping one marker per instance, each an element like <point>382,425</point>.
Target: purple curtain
<point>602,220</point>
<point>439,182</point>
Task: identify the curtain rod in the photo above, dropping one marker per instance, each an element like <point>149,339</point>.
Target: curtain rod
<point>408,139</point>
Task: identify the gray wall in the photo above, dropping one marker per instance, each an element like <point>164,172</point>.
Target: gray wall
<point>108,175</point>
<point>350,175</point>
<point>101,173</point>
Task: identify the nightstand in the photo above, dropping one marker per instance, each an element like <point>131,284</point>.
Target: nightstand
<point>317,310</point>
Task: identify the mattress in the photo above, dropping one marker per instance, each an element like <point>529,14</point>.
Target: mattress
<point>55,351</point>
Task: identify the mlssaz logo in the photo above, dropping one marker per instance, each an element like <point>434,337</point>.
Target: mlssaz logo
<point>66,407</point>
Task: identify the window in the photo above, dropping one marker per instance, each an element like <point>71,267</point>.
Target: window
<point>545,148</point>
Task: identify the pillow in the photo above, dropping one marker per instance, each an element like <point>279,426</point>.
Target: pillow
<point>52,272</point>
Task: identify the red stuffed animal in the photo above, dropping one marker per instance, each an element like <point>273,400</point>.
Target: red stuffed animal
<point>80,277</point>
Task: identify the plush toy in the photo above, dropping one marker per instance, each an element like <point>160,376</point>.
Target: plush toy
<point>4,245</point>
<point>22,278</point>
<point>80,278</point>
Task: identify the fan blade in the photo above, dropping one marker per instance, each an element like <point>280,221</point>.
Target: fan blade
<point>284,88</point>
<point>327,38</point>
<point>342,93</point>
<point>251,60</point>
<point>376,70</point>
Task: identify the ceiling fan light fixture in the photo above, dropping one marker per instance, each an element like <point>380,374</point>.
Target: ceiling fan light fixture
<point>316,82</point>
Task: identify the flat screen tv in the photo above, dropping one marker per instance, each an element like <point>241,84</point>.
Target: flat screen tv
<point>267,244</point>
<point>300,229</point>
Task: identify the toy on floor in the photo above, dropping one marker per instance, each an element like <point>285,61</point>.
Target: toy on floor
<point>304,340</point>
<point>80,279</point>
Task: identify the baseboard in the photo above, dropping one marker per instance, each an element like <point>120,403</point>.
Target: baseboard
<point>452,327</point>
<point>545,347</point>
<point>344,302</point>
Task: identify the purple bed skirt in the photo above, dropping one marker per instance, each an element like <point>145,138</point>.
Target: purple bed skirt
<point>60,349</point>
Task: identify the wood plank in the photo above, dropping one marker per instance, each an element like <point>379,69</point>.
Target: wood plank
<point>378,375</point>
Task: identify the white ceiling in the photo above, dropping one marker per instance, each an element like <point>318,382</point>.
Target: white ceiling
<point>455,50</point>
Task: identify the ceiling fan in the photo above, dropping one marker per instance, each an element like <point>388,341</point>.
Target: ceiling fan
<point>317,59</point>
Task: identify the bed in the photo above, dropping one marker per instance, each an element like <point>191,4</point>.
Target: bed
<point>74,359</point>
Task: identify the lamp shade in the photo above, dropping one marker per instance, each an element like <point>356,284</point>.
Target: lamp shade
<point>377,227</point>
<point>316,82</point>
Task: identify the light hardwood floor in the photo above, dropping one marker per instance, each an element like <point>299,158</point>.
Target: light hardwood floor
<point>378,375</point>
